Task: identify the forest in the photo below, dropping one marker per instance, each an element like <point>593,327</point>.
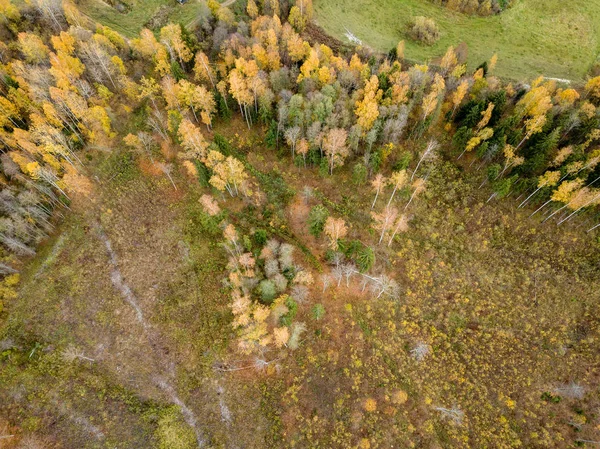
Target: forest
<point>233,233</point>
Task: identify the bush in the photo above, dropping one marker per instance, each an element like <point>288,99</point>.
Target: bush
<point>316,219</point>
<point>260,237</point>
<point>292,306</point>
<point>423,29</point>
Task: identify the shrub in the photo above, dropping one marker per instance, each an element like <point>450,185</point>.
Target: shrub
<point>316,219</point>
<point>423,29</point>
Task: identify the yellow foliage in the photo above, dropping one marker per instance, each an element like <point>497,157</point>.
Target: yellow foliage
<point>370,405</point>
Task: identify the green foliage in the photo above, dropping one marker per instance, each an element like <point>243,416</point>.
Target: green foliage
<point>205,223</point>
<point>493,171</point>
<point>362,255</point>
<point>267,290</point>
<point>271,135</point>
<point>177,71</point>
<point>260,237</point>
<point>223,144</point>
<point>174,119</point>
<point>359,174</point>
<point>404,159</point>
<point>120,166</point>
<point>203,173</point>
<point>286,319</point>
<point>549,397</point>
<point>502,187</point>
<point>318,311</point>
<point>461,137</point>
<point>222,108</point>
<point>173,433</point>
<point>316,220</point>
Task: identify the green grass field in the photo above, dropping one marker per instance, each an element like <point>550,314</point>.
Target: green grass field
<point>131,22</point>
<point>555,38</point>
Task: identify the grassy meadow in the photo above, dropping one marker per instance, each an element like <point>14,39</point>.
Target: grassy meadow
<point>130,23</point>
<point>552,37</point>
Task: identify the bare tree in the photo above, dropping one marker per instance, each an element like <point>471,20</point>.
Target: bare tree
<point>571,390</point>
<point>420,351</point>
<point>338,274</point>
<point>348,270</point>
<point>326,280</point>
<point>454,414</point>
<point>428,154</point>
<point>72,353</point>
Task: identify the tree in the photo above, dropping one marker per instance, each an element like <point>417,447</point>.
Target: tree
<point>252,9</point>
<point>303,147</point>
<point>367,109</point>
<point>486,115</point>
<point>449,60</point>
<point>202,69</point>
<point>548,179</point>
<point>401,225</point>
<point>459,94</point>
<point>52,11</point>
<point>378,183</point>
<point>316,220</point>
<point>592,88</point>
<point>9,11</point>
<point>192,140</point>
<point>418,186</point>
<point>228,174</point>
<point>210,205</point>
<point>398,180</point>
<point>33,48</point>
<point>172,38</point>
<point>424,29</point>
<point>334,144</point>
<point>335,229</point>
<point>400,51</point>
<point>384,220</point>
<point>291,137</point>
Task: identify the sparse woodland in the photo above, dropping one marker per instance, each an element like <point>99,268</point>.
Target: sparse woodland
<point>230,235</point>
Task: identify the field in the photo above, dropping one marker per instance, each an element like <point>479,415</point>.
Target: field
<point>500,340</point>
<point>130,22</point>
<point>554,38</point>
